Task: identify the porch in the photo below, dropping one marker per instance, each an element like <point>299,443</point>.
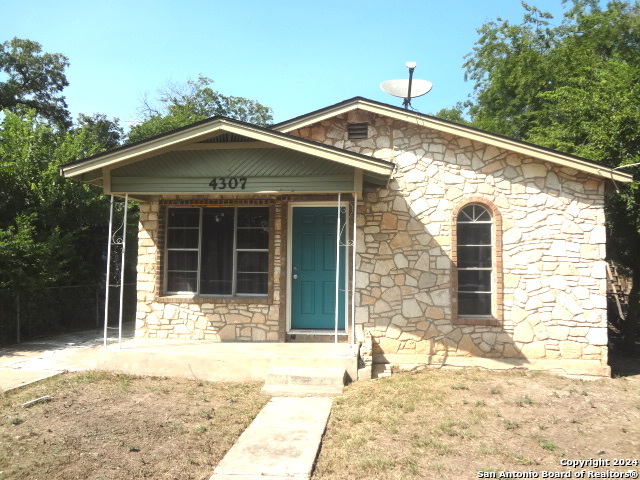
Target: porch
<point>223,361</point>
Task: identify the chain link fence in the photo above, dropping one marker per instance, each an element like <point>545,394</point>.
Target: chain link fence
<point>29,314</point>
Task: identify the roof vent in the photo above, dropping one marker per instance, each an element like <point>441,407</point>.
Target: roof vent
<point>358,131</point>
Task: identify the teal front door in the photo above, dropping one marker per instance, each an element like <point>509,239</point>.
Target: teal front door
<point>313,269</point>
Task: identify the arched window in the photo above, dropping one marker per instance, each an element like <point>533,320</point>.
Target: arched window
<point>475,261</point>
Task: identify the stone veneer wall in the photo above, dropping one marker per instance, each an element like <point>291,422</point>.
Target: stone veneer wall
<point>553,279</point>
<point>205,318</point>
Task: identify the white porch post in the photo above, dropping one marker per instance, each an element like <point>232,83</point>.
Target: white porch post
<point>337,306</point>
<point>122,267</point>
<point>107,279</point>
<point>354,244</point>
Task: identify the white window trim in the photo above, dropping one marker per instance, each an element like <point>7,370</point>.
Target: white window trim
<point>492,269</point>
<point>197,294</point>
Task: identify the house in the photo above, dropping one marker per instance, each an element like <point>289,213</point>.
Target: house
<point>421,240</point>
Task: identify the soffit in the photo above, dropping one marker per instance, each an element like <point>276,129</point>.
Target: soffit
<point>220,134</point>
<point>231,162</point>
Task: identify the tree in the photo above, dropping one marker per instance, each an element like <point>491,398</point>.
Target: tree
<point>34,80</point>
<point>454,114</point>
<point>182,104</point>
<point>572,87</point>
<point>102,134</point>
<point>51,230</point>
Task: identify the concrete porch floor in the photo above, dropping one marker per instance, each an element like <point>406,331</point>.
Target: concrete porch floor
<point>215,361</point>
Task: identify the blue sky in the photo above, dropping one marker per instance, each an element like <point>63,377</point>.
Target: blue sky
<point>294,56</point>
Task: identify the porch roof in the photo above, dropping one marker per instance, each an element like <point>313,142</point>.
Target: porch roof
<point>187,159</point>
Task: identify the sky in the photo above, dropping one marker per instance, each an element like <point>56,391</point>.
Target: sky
<point>293,56</point>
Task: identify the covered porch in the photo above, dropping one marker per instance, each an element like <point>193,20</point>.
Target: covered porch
<point>223,361</point>
<point>246,234</point>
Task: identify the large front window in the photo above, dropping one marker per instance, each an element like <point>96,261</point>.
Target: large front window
<point>220,251</point>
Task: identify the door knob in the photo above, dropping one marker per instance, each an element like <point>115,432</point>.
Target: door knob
<point>295,277</point>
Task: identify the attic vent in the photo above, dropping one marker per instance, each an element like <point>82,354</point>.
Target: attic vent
<point>358,131</point>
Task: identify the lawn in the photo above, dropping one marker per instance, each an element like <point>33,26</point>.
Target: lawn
<point>453,424</point>
<point>435,424</point>
<point>105,426</point>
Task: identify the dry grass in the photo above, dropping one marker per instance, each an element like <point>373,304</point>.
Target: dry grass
<point>105,426</point>
<point>440,424</point>
<point>450,424</point>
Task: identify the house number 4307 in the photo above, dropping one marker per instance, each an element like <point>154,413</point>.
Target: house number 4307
<point>232,183</point>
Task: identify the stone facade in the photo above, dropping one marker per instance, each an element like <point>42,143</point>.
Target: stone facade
<point>218,319</point>
<point>549,250</point>
<point>548,256</point>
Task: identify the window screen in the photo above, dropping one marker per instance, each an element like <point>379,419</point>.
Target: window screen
<point>474,261</point>
<point>219,251</point>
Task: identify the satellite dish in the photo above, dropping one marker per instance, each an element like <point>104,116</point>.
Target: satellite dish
<point>407,89</point>
<point>400,88</point>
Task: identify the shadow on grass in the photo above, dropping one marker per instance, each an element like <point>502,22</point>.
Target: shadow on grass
<point>623,363</point>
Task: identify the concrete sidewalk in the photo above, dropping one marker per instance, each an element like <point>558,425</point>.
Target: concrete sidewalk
<point>281,443</point>
<point>32,361</point>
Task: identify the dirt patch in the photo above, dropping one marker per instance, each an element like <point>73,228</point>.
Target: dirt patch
<point>105,426</point>
<point>454,424</point>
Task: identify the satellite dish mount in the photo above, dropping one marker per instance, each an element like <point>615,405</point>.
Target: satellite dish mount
<point>407,101</point>
<point>407,89</point>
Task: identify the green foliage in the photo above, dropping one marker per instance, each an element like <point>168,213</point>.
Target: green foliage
<point>547,444</point>
<point>179,105</point>
<point>572,87</point>
<point>99,132</point>
<point>29,260</point>
<point>455,114</point>
<point>459,386</point>
<point>34,80</point>
<point>51,229</point>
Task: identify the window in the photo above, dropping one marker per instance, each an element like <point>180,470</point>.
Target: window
<point>221,251</point>
<point>474,254</point>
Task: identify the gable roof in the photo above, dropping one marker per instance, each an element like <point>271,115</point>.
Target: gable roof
<point>199,135</point>
<point>422,120</point>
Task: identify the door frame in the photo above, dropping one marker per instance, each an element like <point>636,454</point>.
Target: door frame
<point>288,272</point>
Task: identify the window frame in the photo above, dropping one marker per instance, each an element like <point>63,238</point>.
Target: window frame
<point>495,318</point>
<point>476,266</point>
<point>234,274</point>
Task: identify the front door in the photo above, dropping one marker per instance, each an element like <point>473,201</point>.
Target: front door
<point>313,269</point>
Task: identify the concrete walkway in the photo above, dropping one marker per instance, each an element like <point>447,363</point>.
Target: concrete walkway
<point>281,443</point>
<point>36,360</point>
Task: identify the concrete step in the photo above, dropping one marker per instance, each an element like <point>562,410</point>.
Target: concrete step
<point>222,361</point>
<point>364,373</point>
<point>315,338</point>
<point>304,381</point>
<point>301,390</point>
<point>381,370</point>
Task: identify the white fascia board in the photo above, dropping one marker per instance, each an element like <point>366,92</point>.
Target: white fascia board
<point>178,140</point>
<point>344,157</point>
<point>505,143</point>
<point>320,116</point>
<point>143,150</point>
<point>462,131</point>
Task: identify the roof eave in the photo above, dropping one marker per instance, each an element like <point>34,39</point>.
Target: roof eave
<point>140,150</point>
<point>487,138</point>
<point>171,141</point>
